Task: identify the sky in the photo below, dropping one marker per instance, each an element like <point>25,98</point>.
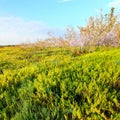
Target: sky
<point>27,21</point>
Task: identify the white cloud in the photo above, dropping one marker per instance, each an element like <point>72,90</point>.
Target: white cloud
<point>15,30</point>
<point>114,3</point>
<point>64,1</point>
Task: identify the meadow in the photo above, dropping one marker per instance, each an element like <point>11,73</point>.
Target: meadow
<point>75,77</point>
<point>54,84</point>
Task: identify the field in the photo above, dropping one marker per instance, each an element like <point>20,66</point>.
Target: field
<point>55,84</point>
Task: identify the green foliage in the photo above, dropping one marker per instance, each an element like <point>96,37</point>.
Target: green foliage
<point>55,85</point>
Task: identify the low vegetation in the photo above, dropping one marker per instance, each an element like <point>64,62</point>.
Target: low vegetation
<point>59,79</point>
<point>54,84</point>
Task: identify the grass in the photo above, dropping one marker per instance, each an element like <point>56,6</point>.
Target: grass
<point>56,84</point>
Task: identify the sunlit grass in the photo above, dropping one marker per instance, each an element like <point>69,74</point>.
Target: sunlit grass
<point>54,84</point>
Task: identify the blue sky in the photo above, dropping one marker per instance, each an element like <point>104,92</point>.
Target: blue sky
<point>29,20</point>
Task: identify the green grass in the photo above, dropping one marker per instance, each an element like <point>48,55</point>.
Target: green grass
<point>52,84</point>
